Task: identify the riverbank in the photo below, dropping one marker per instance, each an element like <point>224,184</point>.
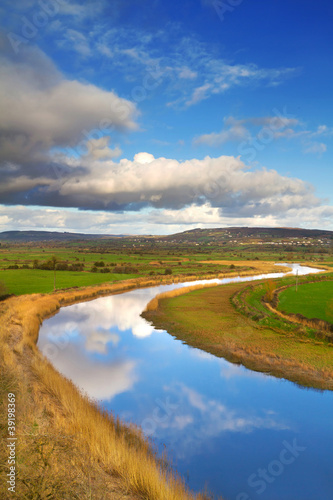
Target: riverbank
<point>206,319</point>
<point>66,446</point>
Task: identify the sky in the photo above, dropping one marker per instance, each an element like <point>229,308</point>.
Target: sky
<point>154,117</point>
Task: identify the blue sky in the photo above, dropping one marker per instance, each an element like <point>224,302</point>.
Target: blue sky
<point>156,117</point>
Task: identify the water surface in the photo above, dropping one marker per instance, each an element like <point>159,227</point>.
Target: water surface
<point>243,434</point>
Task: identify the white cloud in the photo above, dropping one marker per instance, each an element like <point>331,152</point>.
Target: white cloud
<point>155,221</point>
<point>190,69</point>
<point>315,148</point>
<point>225,182</point>
<point>187,73</point>
<point>74,40</point>
<point>277,127</point>
<point>323,130</point>
<point>41,109</point>
<point>236,132</point>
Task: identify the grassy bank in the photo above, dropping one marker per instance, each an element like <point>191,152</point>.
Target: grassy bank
<point>206,319</point>
<point>66,447</point>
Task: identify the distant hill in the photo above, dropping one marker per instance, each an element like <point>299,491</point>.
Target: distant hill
<point>25,236</point>
<point>217,234</point>
<point>194,235</point>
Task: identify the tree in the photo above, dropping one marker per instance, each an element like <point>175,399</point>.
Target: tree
<point>270,286</point>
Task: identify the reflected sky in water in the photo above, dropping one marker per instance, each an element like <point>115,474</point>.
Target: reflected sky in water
<point>244,434</point>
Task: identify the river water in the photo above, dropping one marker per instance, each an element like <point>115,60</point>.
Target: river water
<point>244,435</point>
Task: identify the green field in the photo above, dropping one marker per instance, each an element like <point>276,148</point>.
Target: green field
<point>22,265</point>
<point>21,281</point>
<point>27,279</point>
<point>312,300</point>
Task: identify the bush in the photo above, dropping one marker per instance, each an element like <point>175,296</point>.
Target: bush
<point>99,263</point>
<point>125,270</point>
<point>62,266</point>
<point>94,269</point>
<point>168,270</point>
<point>76,267</point>
<point>105,270</point>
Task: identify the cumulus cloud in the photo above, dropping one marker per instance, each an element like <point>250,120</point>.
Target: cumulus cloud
<point>41,109</point>
<point>154,221</point>
<point>225,183</point>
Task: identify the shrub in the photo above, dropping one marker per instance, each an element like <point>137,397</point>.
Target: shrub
<point>62,266</point>
<point>168,270</point>
<point>125,270</point>
<point>99,263</point>
<point>76,267</point>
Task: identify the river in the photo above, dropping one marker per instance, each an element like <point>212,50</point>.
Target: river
<point>243,434</point>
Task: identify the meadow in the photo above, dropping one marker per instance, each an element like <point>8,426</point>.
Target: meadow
<point>312,300</point>
<point>21,269</point>
<point>232,321</point>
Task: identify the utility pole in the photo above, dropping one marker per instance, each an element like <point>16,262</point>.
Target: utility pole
<point>54,262</point>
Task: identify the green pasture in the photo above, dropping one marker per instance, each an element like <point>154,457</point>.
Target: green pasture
<point>22,281</point>
<point>312,300</point>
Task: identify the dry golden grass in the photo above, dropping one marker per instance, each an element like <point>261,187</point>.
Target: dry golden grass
<point>260,267</point>
<point>68,447</point>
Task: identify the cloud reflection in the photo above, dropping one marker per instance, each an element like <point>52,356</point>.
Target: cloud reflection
<point>199,419</point>
<point>101,381</point>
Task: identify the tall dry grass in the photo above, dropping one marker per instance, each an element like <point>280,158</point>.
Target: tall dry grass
<point>69,448</point>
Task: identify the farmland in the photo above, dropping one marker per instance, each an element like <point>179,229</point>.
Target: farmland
<point>26,265</point>
<point>312,300</point>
